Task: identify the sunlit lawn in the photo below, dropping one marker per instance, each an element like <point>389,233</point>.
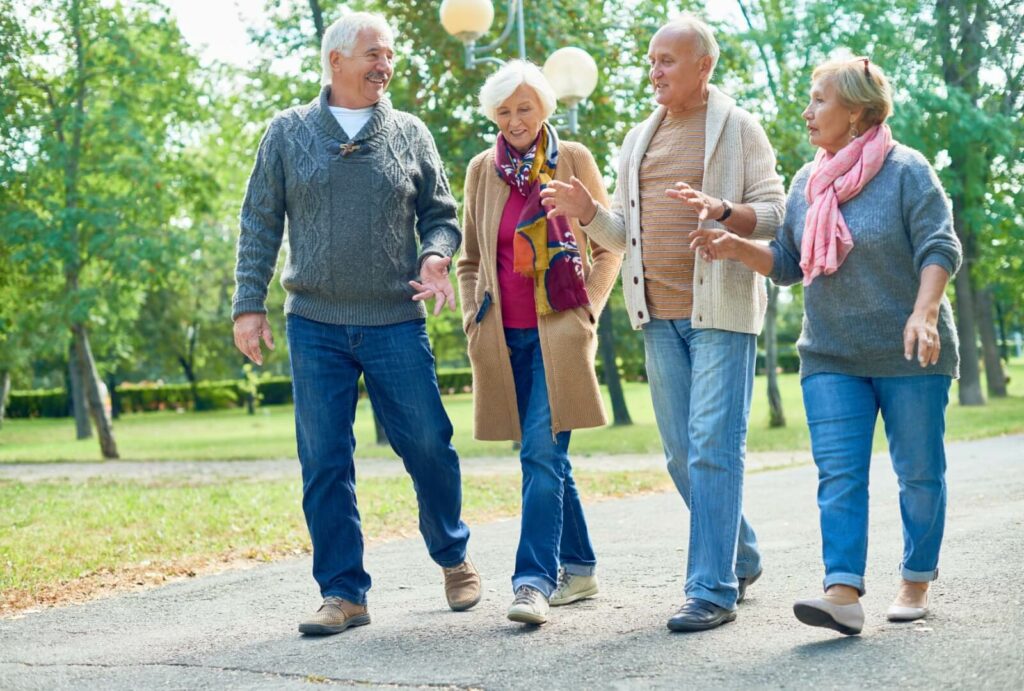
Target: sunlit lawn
<point>54,532</point>
<point>232,434</point>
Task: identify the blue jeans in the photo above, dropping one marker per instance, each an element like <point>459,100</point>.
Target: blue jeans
<point>701,384</point>
<point>553,530</point>
<point>841,414</point>
<point>398,367</point>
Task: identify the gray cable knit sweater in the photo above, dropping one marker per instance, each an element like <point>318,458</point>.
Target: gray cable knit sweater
<point>352,216</point>
<point>853,320</point>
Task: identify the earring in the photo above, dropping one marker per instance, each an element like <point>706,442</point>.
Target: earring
<point>853,131</point>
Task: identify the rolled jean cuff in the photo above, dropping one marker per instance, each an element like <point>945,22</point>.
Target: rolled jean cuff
<point>919,576</point>
<point>579,569</point>
<point>545,586</point>
<point>848,579</point>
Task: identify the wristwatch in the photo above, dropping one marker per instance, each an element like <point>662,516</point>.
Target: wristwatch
<point>726,213</point>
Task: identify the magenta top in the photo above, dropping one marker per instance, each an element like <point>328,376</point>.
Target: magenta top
<point>518,306</point>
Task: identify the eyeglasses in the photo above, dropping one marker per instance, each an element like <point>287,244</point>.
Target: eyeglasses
<point>866,61</point>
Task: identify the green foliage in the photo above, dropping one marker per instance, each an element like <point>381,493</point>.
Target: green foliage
<point>98,101</point>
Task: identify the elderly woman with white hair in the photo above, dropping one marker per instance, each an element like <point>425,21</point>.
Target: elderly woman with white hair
<point>869,231</point>
<point>532,289</point>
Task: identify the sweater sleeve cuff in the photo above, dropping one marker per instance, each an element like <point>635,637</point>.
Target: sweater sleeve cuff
<point>783,273</point>
<point>607,230</point>
<point>939,259</point>
<point>241,307</point>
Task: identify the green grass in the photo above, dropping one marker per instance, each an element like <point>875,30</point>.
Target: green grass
<point>231,434</point>
<point>55,532</point>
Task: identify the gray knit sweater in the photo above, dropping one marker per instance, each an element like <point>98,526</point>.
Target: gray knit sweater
<point>352,217</point>
<point>853,320</point>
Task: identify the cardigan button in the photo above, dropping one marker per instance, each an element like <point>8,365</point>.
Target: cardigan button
<point>640,314</point>
<point>632,203</point>
<point>634,242</point>
<point>592,320</point>
<point>700,318</point>
<point>636,280</point>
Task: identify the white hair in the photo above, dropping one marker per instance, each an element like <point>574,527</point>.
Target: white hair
<point>500,85</point>
<point>706,43</point>
<point>343,34</point>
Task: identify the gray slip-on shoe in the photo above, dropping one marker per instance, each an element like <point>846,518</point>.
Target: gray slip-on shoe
<point>817,611</point>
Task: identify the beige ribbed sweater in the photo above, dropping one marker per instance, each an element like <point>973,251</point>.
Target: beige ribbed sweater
<point>739,165</point>
<point>568,339</point>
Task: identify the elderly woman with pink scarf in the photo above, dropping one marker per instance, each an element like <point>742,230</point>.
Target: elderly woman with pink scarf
<point>869,231</point>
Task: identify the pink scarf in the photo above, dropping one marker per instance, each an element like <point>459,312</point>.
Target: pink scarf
<point>835,179</point>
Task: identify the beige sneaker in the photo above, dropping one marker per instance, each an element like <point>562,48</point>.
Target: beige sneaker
<point>573,587</point>
<point>334,616</point>
<point>462,586</point>
<point>529,607</point>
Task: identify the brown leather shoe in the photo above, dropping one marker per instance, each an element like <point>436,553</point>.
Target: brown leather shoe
<point>462,586</point>
<point>334,616</point>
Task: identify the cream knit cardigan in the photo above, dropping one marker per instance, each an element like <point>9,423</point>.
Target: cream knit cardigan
<point>739,165</point>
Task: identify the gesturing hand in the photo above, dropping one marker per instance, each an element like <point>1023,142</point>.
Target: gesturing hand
<point>249,328</point>
<point>921,330</point>
<point>705,206</point>
<point>435,283</point>
<point>714,243</point>
<point>571,200</point>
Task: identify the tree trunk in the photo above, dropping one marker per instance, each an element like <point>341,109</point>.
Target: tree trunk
<point>970,376</point>
<point>5,391</point>
<point>115,399</point>
<point>382,436</point>
<point>776,415</point>
<point>318,19</point>
<point>98,412</point>
<point>1004,338</point>
<point>190,377</point>
<point>995,377</point>
<point>606,342</point>
<point>76,387</point>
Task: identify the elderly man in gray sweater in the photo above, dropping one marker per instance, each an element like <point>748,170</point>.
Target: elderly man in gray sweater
<point>358,182</point>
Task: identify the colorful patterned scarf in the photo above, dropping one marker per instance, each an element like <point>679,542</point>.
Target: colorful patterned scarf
<point>834,179</point>
<point>544,250</point>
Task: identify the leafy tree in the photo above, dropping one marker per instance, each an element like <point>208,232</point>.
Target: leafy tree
<point>104,94</point>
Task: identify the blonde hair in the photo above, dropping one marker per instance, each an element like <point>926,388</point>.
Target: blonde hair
<point>859,83</point>
<point>501,84</point>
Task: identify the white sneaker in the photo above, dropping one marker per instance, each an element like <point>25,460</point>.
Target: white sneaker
<point>573,587</point>
<point>529,607</point>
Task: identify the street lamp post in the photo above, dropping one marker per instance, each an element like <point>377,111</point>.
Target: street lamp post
<point>571,71</point>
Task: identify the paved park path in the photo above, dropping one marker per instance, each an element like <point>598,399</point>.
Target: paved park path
<point>276,469</point>
<point>237,629</point>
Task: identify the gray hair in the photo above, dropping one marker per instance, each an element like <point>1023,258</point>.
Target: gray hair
<point>706,43</point>
<point>500,85</point>
<point>343,34</point>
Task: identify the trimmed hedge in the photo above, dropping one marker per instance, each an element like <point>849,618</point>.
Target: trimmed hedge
<point>41,403</point>
<point>219,395</point>
<point>210,395</point>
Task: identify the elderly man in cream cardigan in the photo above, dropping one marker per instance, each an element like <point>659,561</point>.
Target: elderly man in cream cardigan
<point>698,160</point>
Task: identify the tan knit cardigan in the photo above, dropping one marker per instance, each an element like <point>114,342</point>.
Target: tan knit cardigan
<point>739,165</point>
<point>568,339</point>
